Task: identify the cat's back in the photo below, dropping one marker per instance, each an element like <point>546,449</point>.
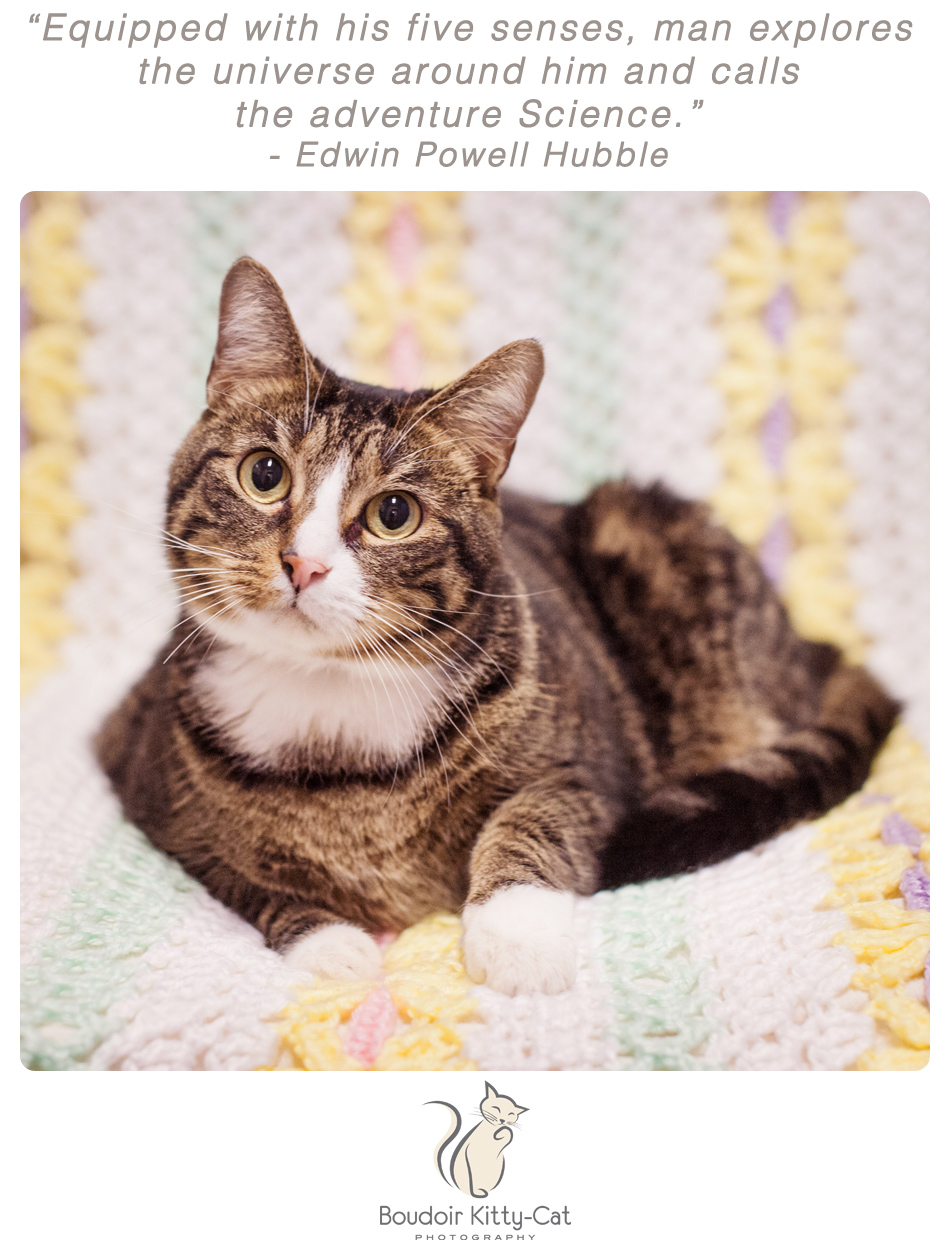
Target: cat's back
<point>630,548</point>
<point>687,615</point>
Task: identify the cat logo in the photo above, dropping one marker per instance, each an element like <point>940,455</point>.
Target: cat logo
<point>477,1164</point>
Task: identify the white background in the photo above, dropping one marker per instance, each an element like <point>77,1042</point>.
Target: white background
<point>649,1164</point>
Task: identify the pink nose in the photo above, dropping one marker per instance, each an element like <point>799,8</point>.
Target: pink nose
<point>302,571</point>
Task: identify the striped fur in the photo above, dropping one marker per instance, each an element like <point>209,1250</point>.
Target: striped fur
<point>608,692</point>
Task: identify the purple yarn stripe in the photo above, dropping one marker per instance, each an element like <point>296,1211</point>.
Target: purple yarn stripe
<point>896,829</point>
<point>915,888</point>
<point>775,549</point>
<point>927,979</point>
<point>781,205</point>
<point>776,432</point>
<point>779,314</point>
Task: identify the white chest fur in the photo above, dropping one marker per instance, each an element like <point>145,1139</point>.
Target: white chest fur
<point>377,711</point>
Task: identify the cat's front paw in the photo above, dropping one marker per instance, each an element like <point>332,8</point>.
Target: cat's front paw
<point>521,940</point>
<point>337,952</point>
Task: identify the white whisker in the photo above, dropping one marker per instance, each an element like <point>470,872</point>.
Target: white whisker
<point>455,630</point>
<point>458,728</point>
<point>527,595</point>
<point>234,604</point>
<point>453,398</point>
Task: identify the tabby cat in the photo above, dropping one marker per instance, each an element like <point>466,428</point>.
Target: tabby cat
<point>397,689</point>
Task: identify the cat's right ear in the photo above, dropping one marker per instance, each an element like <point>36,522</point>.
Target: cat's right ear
<point>490,1091</point>
<point>257,336</point>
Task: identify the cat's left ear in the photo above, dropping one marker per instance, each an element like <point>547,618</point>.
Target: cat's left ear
<point>522,1110</point>
<point>487,406</point>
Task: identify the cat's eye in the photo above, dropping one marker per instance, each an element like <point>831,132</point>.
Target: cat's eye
<point>264,477</point>
<point>394,514</point>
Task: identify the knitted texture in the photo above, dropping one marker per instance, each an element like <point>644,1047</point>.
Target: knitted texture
<point>777,975</point>
<point>817,587</point>
<point>808,953</point>
<point>121,904</point>
<point>784,480</point>
<point>405,292</point>
<point>53,275</point>
<point>735,967</point>
<point>617,286</point>
<point>410,1023</point>
<point>878,843</point>
<point>301,238</point>
<point>654,979</point>
<point>747,496</point>
<point>514,268</point>
<point>218,235</point>
<point>886,449</point>
<point>588,367</point>
<point>669,411</point>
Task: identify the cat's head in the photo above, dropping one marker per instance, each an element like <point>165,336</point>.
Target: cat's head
<point>313,517</point>
<point>498,1108</point>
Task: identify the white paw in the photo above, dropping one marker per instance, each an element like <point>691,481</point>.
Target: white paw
<point>338,952</point>
<point>521,940</point>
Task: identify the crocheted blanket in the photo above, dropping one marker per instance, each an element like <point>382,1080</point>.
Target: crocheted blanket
<point>765,351</point>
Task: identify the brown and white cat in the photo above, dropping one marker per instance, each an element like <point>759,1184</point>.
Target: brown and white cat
<point>398,690</point>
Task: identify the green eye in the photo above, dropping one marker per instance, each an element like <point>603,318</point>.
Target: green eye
<point>393,515</point>
<point>264,477</point>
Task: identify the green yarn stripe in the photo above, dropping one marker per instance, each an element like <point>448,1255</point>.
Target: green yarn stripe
<point>590,344</point>
<point>126,899</point>
<point>657,997</point>
<point>219,235</point>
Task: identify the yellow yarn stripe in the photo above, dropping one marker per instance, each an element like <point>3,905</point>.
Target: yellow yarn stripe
<point>818,592</point>
<point>53,275</point>
<point>810,369</point>
<point>433,300</point>
<point>889,941</point>
<point>750,379</point>
<point>426,980</point>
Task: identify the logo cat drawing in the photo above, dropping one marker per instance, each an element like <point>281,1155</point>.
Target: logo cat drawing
<point>477,1164</point>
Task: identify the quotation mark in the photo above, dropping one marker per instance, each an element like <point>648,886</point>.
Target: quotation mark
<point>35,17</point>
<point>697,104</point>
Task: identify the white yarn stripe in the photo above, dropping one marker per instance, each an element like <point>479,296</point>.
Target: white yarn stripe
<point>778,988</point>
<point>514,270</point>
<point>204,999</point>
<point>566,1032</point>
<point>670,411</point>
<point>299,237</point>
<point>887,448</point>
<point>137,361</point>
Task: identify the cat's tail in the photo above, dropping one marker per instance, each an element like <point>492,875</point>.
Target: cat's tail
<point>753,797</point>
<point>448,1139</point>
